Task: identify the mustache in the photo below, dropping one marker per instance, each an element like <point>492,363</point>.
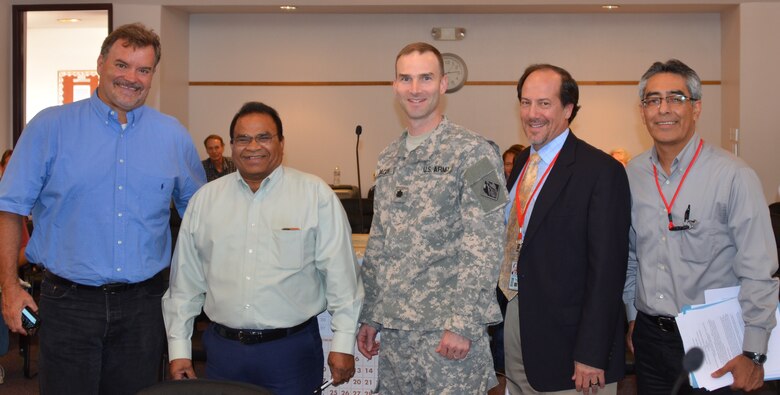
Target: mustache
<point>126,83</point>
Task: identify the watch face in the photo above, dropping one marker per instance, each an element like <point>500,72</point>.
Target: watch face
<point>456,71</point>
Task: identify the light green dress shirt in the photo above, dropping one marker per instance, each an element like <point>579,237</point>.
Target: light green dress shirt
<point>270,259</point>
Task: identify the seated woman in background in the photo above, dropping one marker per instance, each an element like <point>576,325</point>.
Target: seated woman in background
<point>4,161</point>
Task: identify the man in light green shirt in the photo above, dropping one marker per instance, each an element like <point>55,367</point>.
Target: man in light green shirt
<point>263,251</point>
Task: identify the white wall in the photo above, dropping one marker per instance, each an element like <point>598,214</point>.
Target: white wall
<point>320,121</point>
<point>758,96</point>
<point>52,50</point>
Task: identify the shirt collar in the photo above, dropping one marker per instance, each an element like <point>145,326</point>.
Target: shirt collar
<point>267,183</point>
<point>427,147</point>
<point>683,159</point>
<point>548,152</point>
<point>105,112</point>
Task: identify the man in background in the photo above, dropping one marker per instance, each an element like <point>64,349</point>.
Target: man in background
<point>699,221</point>
<point>432,259</point>
<point>98,176</point>
<point>263,252</point>
<point>566,249</point>
<point>216,165</point>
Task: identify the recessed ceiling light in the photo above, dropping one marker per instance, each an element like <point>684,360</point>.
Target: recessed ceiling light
<point>288,8</point>
<point>68,20</point>
<point>610,7</point>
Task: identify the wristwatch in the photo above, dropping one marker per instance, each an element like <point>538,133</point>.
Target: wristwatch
<point>757,358</point>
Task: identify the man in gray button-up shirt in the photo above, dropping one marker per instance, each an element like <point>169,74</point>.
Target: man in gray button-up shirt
<point>699,221</point>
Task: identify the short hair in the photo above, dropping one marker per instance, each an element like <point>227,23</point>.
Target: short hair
<point>673,66</point>
<point>515,149</point>
<point>422,48</point>
<point>254,107</point>
<point>569,92</point>
<point>137,36</point>
<point>213,137</point>
<point>6,157</point>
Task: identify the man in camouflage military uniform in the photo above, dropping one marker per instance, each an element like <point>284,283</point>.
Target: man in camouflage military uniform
<point>436,245</point>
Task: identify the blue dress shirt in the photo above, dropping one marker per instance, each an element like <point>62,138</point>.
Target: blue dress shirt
<point>99,191</point>
<point>546,155</point>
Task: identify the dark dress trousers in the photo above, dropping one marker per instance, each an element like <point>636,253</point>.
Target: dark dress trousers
<point>572,268</point>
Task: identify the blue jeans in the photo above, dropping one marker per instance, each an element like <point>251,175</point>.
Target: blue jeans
<point>289,366</point>
<point>4,335</point>
<point>94,341</point>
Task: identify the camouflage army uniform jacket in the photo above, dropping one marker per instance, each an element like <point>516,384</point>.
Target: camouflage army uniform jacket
<point>437,237</point>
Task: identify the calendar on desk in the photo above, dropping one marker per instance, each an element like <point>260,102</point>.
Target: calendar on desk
<point>365,379</point>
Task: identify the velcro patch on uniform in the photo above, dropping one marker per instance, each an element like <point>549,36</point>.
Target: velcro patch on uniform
<point>384,172</point>
<point>484,181</point>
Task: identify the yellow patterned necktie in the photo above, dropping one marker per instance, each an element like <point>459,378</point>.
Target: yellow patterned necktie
<point>507,280</point>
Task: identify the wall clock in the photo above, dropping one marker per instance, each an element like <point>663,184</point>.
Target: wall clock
<point>456,71</point>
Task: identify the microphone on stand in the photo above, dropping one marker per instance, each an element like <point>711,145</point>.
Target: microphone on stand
<point>358,132</point>
<point>691,361</point>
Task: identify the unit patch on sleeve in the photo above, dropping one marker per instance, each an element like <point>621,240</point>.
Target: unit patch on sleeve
<point>483,180</point>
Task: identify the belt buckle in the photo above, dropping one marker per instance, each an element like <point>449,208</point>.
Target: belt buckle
<point>246,337</point>
<point>666,324</point>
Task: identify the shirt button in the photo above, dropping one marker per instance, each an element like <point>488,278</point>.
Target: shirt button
<point>663,238</point>
<point>252,225</point>
<point>251,250</point>
<point>666,182</point>
<point>661,296</point>
<point>246,307</point>
<point>248,278</point>
<point>121,161</point>
<point>119,269</point>
<point>119,242</point>
<point>120,187</point>
<point>119,214</point>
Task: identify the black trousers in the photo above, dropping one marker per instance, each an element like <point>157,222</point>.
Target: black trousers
<point>658,356</point>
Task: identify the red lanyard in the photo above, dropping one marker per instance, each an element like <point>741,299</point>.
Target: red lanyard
<point>522,210</point>
<point>658,184</point>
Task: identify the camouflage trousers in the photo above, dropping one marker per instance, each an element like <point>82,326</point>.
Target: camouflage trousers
<point>409,365</point>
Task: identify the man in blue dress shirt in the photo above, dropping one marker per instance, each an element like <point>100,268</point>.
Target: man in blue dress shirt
<point>98,176</point>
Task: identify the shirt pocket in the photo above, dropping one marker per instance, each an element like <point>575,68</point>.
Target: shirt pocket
<point>696,244</point>
<point>153,194</point>
<point>289,247</point>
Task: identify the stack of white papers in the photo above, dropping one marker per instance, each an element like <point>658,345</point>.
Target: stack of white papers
<point>717,328</point>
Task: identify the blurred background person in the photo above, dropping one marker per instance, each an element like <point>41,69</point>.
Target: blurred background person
<point>621,155</point>
<point>4,161</point>
<point>216,165</point>
<point>509,157</point>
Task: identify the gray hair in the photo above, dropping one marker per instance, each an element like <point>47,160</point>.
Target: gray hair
<point>673,66</point>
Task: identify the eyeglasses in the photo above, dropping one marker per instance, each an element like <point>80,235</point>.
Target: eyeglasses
<point>671,101</point>
<point>263,139</point>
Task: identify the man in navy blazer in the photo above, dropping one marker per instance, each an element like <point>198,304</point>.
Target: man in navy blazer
<point>564,329</point>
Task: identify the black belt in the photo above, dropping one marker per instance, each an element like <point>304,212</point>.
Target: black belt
<point>666,324</point>
<point>254,336</point>
<point>110,287</point>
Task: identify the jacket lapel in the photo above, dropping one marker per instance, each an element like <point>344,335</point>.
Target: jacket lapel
<point>556,182</point>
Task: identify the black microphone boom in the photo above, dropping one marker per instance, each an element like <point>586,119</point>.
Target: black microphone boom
<point>691,361</point>
<point>358,132</point>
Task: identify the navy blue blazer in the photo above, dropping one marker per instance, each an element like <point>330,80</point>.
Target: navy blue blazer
<point>572,268</point>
